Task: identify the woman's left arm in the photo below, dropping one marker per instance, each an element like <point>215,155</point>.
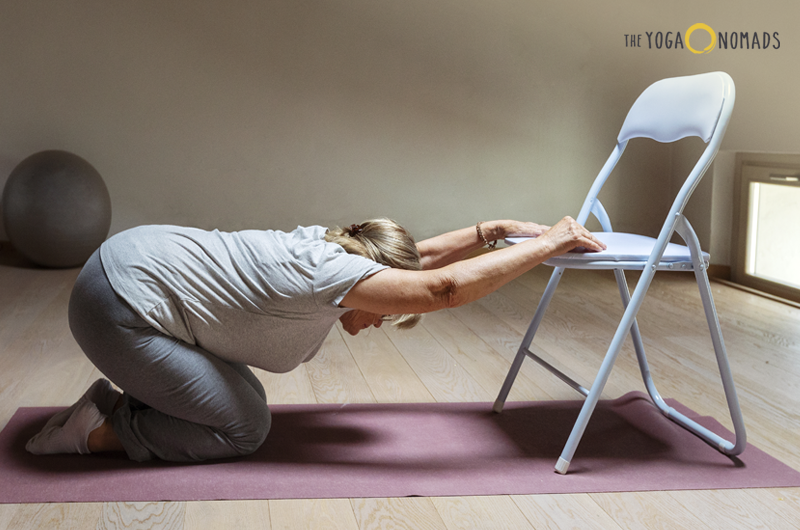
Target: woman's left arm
<point>442,250</point>
<point>400,291</point>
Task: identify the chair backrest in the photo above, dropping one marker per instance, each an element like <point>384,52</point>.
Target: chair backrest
<point>668,110</point>
<point>675,108</point>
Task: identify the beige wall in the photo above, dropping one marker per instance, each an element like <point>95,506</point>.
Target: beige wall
<point>258,113</point>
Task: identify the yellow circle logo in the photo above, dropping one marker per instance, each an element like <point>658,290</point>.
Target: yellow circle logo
<point>710,31</point>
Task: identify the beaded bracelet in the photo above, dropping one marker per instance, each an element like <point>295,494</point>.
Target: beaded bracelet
<point>483,238</point>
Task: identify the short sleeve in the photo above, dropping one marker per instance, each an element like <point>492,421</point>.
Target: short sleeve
<point>338,272</point>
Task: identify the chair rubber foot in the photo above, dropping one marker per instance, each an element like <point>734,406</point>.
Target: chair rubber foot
<point>562,466</point>
<point>498,406</point>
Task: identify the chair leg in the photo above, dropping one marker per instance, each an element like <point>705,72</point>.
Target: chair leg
<point>528,338</point>
<point>724,370</point>
<point>685,230</point>
<point>624,327</point>
<point>638,345</point>
<point>722,361</point>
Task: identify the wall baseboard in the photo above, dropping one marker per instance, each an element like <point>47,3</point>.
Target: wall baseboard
<point>719,272</point>
<point>758,293</point>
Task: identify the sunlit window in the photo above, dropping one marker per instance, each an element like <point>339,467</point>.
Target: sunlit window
<point>768,245</point>
<point>773,235</point>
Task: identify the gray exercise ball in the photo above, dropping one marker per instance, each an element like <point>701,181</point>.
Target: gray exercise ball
<point>56,209</point>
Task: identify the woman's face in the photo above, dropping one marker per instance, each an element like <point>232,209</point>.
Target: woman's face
<point>355,320</point>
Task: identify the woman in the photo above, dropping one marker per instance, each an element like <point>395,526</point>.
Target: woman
<point>173,316</point>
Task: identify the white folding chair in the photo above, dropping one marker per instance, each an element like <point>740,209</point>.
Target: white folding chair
<point>667,111</point>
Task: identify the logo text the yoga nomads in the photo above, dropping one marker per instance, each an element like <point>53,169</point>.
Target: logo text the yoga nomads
<point>701,39</point>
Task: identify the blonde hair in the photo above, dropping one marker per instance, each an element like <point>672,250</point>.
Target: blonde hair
<point>386,242</point>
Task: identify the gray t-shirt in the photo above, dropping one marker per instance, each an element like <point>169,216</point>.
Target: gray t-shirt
<point>263,298</point>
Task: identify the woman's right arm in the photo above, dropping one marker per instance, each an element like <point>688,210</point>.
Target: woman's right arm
<point>397,291</point>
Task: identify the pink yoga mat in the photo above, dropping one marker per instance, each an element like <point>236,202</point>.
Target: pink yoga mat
<point>396,450</point>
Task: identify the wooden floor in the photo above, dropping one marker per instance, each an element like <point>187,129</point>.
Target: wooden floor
<point>459,355</point>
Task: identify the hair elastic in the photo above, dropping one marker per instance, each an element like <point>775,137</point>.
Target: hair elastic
<point>354,230</point>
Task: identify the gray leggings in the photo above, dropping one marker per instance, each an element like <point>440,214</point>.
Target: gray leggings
<point>181,403</point>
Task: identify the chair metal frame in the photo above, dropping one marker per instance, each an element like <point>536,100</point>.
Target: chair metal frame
<point>700,106</point>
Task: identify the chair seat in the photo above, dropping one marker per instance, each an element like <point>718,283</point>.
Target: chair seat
<point>626,251</point>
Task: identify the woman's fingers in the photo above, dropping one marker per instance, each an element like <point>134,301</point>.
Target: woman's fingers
<point>593,243</point>
<point>567,235</point>
<point>526,229</point>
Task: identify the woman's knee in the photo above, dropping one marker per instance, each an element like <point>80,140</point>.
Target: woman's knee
<point>251,379</point>
<point>252,435</point>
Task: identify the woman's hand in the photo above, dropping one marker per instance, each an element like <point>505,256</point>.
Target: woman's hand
<point>521,229</point>
<point>568,235</point>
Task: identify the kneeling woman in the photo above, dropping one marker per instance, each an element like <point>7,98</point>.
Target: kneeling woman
<point>174,316</point>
